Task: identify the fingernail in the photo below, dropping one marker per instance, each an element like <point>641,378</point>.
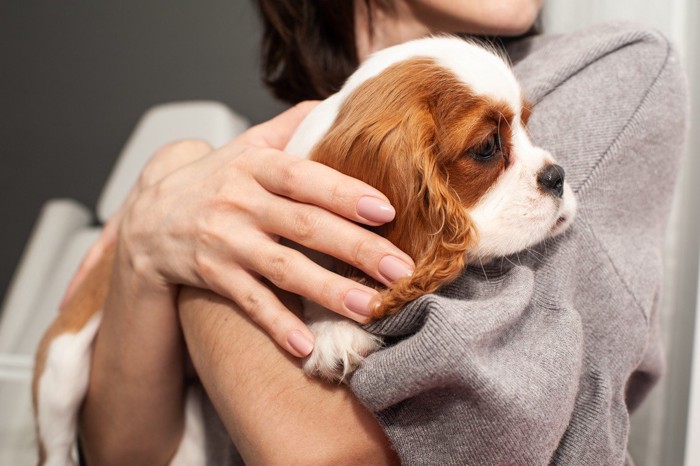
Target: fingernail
<point>358,302</point>
<point>375,210</point>
<point>300,343</point>
<point>394,269</point>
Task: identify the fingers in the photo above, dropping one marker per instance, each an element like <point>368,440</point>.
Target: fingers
<point>267,311</point>
<point>314,183</point>
<point>247,251</point>
<point>308,181</point>
<point>292,271</point>
<point>320,230</point>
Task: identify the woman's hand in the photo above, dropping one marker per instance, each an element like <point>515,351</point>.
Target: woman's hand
<point>165,161</point>
<point>215,224</point>
<point>215,221</point>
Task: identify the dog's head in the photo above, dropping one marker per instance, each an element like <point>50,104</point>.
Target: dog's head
<point>439,126</point>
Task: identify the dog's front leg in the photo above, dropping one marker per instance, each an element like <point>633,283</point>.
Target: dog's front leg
<point>340,345</point>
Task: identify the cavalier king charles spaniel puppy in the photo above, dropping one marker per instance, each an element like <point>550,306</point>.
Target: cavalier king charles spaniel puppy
<point>439,126</point>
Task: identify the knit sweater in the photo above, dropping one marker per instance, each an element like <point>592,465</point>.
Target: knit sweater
<point>541,357</point>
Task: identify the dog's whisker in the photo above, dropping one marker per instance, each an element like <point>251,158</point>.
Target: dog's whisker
<point>511,262</point>
<point>535,251</point>
<point>538,256</point>
<point>527,131</point>
<point>483,269</point>
<point>502,117</point>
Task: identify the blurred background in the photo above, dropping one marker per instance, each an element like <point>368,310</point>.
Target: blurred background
<point>76,76</point>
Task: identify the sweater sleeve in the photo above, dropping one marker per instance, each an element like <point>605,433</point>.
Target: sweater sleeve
<point>533,359</point>
<point>484,373</point>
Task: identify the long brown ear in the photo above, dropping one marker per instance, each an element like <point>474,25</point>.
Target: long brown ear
<point>435,229</point>
<point>386,135</point>
<point>431,224</point>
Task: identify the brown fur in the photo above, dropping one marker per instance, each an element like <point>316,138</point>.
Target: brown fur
<point>85,302</point>
<point>407,132</point>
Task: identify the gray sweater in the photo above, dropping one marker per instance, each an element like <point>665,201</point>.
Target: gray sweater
<point>539,358</point>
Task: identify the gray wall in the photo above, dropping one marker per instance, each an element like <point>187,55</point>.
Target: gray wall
<point>76,76</point>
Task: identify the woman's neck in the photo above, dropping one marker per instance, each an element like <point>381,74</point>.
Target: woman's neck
<point>387,28</point>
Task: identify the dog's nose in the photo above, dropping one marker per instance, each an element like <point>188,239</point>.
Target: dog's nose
<point>551,180</point>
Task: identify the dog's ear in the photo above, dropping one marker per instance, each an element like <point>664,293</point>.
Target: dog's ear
<point>385,134</point>
<point>394,153</point>
<point>433,227</point>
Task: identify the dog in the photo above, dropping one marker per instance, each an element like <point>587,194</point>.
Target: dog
<point>439,126</point>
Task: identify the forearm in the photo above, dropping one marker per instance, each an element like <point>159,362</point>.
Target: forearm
<point>133,412</point>
<point>272,411</point>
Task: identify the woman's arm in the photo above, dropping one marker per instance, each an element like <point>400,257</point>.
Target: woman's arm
<point>133,410</point>
<point>272,411</point>
<point>194,222</point>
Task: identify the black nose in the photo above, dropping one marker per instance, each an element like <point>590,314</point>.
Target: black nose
<point>551,180</point>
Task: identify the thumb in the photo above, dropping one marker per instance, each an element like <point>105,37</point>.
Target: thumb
<point>277,132</point>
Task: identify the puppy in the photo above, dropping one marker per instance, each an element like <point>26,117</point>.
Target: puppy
<point>439,126</point>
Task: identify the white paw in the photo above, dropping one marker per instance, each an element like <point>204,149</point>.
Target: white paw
<point>340,347</point>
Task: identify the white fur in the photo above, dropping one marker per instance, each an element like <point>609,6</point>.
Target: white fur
<point>340,344</point>
<point>192,449</point>
<point>513,215</point>
<point>62,389</point>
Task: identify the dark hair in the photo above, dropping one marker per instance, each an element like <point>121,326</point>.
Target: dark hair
<point>308,46</point>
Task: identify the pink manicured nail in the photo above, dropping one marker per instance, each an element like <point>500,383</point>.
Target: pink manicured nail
<point>358,302</point>
<point>394,269</point>
<point>300,343</point>
<point>375,210</point>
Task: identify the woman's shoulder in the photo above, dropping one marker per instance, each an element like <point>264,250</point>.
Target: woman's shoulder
<point>600,87</point>
<point>544,62</point>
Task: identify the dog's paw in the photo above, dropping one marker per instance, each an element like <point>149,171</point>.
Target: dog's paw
<point>340,347</point>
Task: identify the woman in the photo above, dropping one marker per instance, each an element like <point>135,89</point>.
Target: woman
<point>546,369</point>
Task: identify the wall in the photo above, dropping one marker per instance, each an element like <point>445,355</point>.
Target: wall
<point>76,76</point>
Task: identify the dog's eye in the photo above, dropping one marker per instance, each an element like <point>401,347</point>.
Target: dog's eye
<point>487,150</point>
